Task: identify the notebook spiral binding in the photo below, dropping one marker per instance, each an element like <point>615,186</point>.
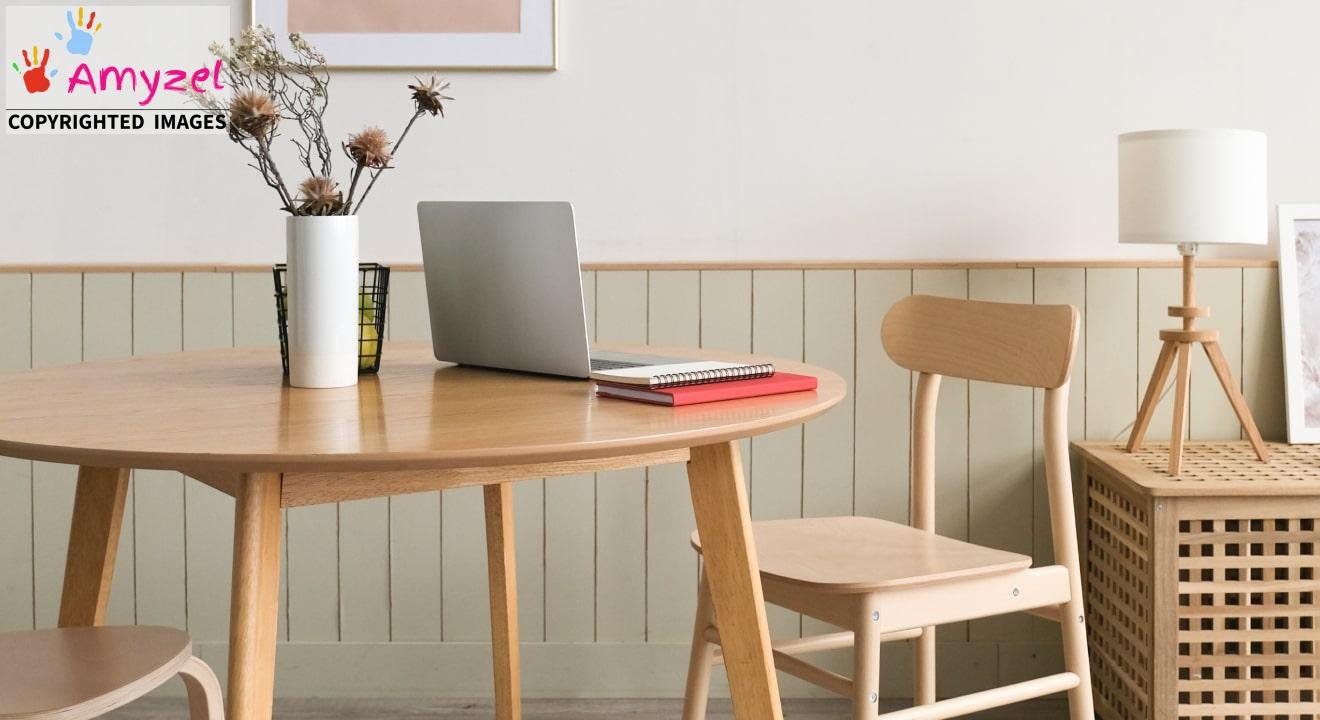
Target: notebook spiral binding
<point>698,377</point>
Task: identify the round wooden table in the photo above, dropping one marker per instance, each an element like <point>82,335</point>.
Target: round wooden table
<point>226,418</point>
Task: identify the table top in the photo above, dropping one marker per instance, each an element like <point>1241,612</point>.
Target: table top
<point>230,410</point>
<point>1212,468</point>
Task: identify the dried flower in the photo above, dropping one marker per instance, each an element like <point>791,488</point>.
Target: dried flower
<point>428,95</point>
<point>319,196</point>
<point>253,112</point>
<point>369,148</point>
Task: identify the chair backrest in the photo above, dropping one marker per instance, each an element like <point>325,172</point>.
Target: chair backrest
<point>1027,345</point>
<point>1031,345</point>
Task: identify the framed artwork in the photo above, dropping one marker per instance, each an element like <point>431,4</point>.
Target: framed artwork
<point>1299,304</point>
<point>420,34</point>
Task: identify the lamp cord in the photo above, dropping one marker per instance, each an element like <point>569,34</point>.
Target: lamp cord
<point>1128,428</point>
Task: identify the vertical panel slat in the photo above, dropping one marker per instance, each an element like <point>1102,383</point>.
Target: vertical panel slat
<point>1059,286</point>
<point>158,496</point>
<point>1211,415</point>
<point>1111,351</point>
<point>883,398</point>
<point>827,444</point>
<point>255,322</point>
<point>726,323</point>
<point>951,496</point>
<point>463,567</point>
<point>775,484</point>
<point>1157,289</point>
<point>1262,351</point>
<point>415,556</point>
<point>208,323</point>
<point>1000,455</point>
<point>108,333</point>
<point>570,538</point>
<point>621,300</point>
<point>56,340</point>
<point>674,318</point>
<point>16,609</point>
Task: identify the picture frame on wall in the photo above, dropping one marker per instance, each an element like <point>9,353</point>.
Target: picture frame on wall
<point>420,34</point>
<point>1299,305</point>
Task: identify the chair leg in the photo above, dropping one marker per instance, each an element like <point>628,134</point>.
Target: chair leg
<point>204,699</point>
<point>866,663</point>
<point>923,649</point>
<point>1076,660</point>
<point>702,657</point>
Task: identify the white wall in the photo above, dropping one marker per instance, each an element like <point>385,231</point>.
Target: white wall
<point>755,129</point>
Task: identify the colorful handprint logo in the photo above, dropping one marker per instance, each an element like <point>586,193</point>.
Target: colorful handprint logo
<point>80,34</point>
<point>35,78</point>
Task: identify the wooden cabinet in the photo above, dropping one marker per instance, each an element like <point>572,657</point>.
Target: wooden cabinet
<point>1201,589</point>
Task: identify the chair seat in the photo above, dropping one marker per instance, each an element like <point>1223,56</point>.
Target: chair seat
<point>74,672</point>
<point>860,554</point>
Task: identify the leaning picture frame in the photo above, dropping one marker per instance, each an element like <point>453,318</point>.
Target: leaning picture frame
<point>420,34</point>
<point>1299,306</point>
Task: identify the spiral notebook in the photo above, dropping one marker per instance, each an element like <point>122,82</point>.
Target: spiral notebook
<point>678,374</point>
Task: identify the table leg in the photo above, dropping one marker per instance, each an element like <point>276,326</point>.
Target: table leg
<point>502,567</point>
<point>254,605</point>
<point>719,501</point>
<point>98,511</point>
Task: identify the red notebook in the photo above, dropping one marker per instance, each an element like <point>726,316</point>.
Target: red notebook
<point>780,382</point>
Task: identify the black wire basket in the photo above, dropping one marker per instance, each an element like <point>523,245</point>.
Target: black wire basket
<point>375,289</point>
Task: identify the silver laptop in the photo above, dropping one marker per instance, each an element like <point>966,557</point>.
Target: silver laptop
<point>504,287</point>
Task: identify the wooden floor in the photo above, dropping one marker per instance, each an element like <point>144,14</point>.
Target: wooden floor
<point>176,709</point>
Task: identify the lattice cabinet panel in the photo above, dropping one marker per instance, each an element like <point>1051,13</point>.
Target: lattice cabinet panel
<point>1202,589</point>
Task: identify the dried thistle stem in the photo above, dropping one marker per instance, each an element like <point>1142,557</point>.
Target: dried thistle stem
<point>375,174</point>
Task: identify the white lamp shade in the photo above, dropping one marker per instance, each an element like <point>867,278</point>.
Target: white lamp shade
<point>1192,186</point>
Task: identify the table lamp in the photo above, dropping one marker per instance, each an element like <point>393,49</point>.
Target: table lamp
<point>1191,188</point>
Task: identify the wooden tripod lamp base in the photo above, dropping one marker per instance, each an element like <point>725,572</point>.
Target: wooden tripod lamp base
<point>1177,350</point>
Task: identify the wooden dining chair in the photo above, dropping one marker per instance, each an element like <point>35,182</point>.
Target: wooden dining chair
<point>882,581</point>
<point>79,673</point>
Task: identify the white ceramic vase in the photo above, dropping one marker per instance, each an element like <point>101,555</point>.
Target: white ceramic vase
<point>323,286</point>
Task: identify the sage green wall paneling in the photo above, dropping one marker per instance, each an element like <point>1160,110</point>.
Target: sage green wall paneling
<point>16,606</point>
<point>674,318</point>
<point>1212,416</point>
<point>827,441</point>
<point>463,566</point>
<point>883,400</point>
<point>621,315</point>
<point>1262,351</point>
<point>158,509</point>
<point>1059,286</point>
<point>416,596</point>
<point>570,538</point>
<point>208,322</point>
<point>255,322</point>
<point>776,483</point>
<point>56,340</point>
<point>1157,289</point>
<point>1000,456</point>
<point>108,333</point>
<point>950,433</point>
<point>409,315</point>
<point>1111,352</point>
<point>726,323</point>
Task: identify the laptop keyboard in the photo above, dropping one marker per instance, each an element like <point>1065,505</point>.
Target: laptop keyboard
<point>602,364</point>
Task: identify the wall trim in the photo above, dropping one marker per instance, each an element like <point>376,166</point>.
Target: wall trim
<point>685,265</point>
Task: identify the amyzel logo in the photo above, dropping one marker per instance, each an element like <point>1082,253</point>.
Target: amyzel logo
<point>36,78</point>
<point>80,35</point>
